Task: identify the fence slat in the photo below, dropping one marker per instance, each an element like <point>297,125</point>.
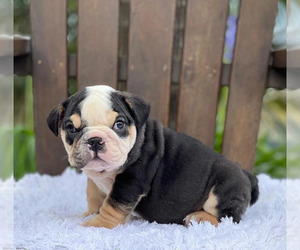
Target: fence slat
<point>201,68</point>
<point>150,51</point>
<point>97,42</point>
<point>49,62</point>
<point>248,80</point>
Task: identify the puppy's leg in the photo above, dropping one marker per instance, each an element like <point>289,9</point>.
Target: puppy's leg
<point>210,212</point>
<point>200,216</point>
<point>95,198</point>
<point>232,191</point>
<point>109,216</point>
<point>120,202</point>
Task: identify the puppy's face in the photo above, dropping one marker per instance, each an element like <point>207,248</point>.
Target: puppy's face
<point>99,127</point>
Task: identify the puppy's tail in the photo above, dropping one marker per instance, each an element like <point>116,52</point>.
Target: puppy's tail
<point>254,186</point>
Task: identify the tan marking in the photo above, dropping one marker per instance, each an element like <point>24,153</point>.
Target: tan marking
<point>210,205</point>
<point>128,209</point>
<point>63,137</point>
<point>200,216</point>
<point>75,118</point>
<point>61,109</point>
<point>111,118</point>
<point>129,103</point>
<point>94,197</point>
<point>109,217</point>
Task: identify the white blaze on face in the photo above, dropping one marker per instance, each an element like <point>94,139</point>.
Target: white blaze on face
<point>97,113</point>
<point>97,107</point>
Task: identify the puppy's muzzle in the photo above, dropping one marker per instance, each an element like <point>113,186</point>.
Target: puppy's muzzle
<point>95,144</point>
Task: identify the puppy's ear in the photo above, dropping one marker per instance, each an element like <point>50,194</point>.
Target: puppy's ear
<point>54,118</point>
<point>140,110</point>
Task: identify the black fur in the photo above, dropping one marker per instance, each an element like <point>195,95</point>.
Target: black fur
<point>175,174</point>
<point>132,106</point>
<point>168,175</point>
<point>53,120</point>
<point>254,187</point>
<point>59,115</point>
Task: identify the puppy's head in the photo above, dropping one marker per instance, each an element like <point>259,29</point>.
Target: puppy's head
<point>99,127</point>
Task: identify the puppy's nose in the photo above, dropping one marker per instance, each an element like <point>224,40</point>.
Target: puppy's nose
<point>95,143</point>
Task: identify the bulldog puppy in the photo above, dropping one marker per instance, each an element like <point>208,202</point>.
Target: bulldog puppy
<point>134,163</point>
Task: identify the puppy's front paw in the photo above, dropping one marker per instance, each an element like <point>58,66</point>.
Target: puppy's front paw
<point>91,223</point>
<point>99,221</point>
<point>89,212</point>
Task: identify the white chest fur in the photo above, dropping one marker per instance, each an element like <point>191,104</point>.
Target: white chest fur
<point>104,181</point>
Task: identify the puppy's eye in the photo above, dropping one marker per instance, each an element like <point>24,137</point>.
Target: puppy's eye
<point>119,125</point>
<point>70,128</point>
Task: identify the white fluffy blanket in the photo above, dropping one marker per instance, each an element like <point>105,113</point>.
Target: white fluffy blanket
<point>48,213</point>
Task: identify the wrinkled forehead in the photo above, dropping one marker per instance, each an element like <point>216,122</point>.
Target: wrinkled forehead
<point>97,108</point>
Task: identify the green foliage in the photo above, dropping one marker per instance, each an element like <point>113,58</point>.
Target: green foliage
<point>293,131</point>
<point>21,17</point>
<point>293,161</point>
<point>6,151</point>
<point>270,160</point>
<point>220,122</point>
<point>271,145</point>
<point>72,25</point>
<point>24,143</point>
<point>24,151</point>
<point>6,126</point>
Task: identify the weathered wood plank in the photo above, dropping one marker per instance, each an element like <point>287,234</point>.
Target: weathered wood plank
<point>202,68</point>
<point>22,67</point>
<point>97,56</point>
<point>150,51</point>
<point>49,70</point>
<point>248,80</point>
